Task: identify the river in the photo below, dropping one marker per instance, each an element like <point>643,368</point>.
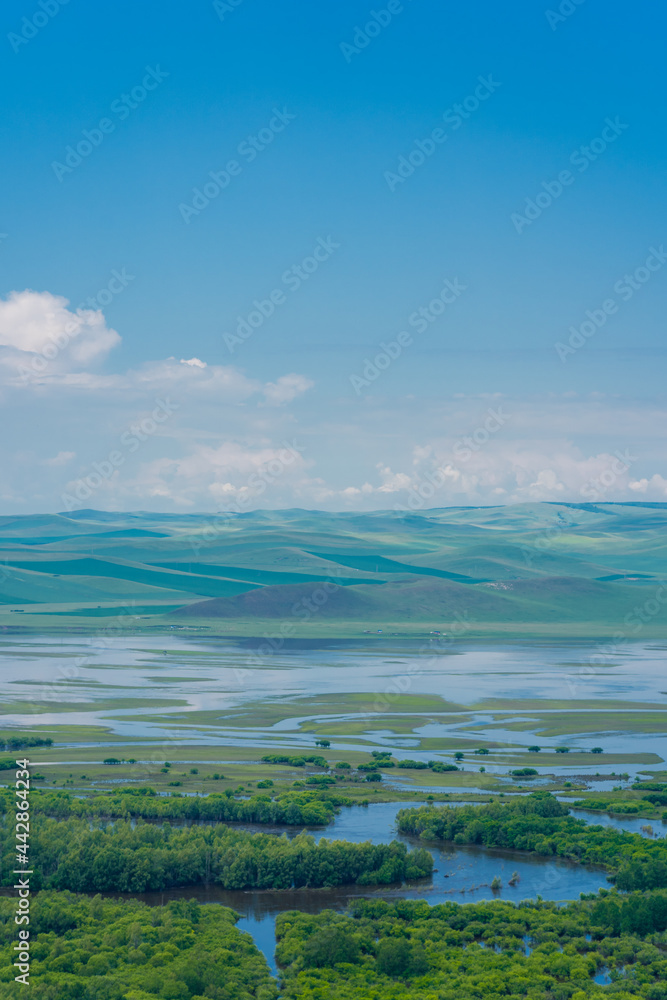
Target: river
<point>462,874</point>
<point>188,693</point>
<point>176,681</point>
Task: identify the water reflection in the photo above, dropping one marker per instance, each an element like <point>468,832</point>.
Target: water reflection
<point>230,674</point>
<point>462,874</point>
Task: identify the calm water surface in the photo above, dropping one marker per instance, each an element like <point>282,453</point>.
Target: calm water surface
<point>49,674</point>
<point>227,675</point>
<point>462,874</point>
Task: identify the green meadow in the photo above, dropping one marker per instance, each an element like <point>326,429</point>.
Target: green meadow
<point>232,598</point>
<point>531,570</point>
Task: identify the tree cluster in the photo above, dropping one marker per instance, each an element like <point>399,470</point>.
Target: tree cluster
<point>297,808</point>
<point>541,824</point>
<point>85,855</point>
<point>409,950</point>
<point>85,948</point>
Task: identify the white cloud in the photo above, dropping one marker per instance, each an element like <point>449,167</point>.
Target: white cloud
<point>39,332</point>
<point>654,488</point>
<point>181,431</point>
<point>505,471</point>
<point>224,442</point>
<point>546,484</point>
<point>227,476</point>
<point>193,362</point>
<point>62,458</point>
<point>192,379</point>
<point>393,482</point>
<point>286,388</point>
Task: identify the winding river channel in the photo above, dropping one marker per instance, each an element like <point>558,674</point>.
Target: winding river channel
<point>185,690</point>
<point>462,874</point>
<point>174,678</point>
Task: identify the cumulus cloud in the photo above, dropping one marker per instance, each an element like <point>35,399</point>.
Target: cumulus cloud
<point>393,482</point>
<point>230,476</point>
<point>38,333</point>
<point>446,471</point>
<point>654,488</point>
<point>232,441</point>
<point>175,432</point>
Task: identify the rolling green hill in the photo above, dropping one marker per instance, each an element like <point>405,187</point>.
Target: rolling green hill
<point>538,563</point>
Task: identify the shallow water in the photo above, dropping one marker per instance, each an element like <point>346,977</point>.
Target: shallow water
<point>633,824</point>
<point>462,874</point>
<point>464,673</point>
<point>226,675</point>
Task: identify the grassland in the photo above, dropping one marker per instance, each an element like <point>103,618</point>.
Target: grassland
<point>206,745</point>
<point>567,723</point>
<point>201,769</point>
<point>36,707</point>
<point>531,570</point>
<point>175,765</point>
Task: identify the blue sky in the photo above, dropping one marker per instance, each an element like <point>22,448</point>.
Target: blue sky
<point>335,196</point>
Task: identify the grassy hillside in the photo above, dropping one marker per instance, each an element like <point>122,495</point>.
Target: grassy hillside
<point>539,565</point>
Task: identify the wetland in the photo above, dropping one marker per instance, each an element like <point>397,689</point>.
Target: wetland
<point>219,706</point>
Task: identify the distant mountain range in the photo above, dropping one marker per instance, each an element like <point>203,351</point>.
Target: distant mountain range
<point>540,562</point>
